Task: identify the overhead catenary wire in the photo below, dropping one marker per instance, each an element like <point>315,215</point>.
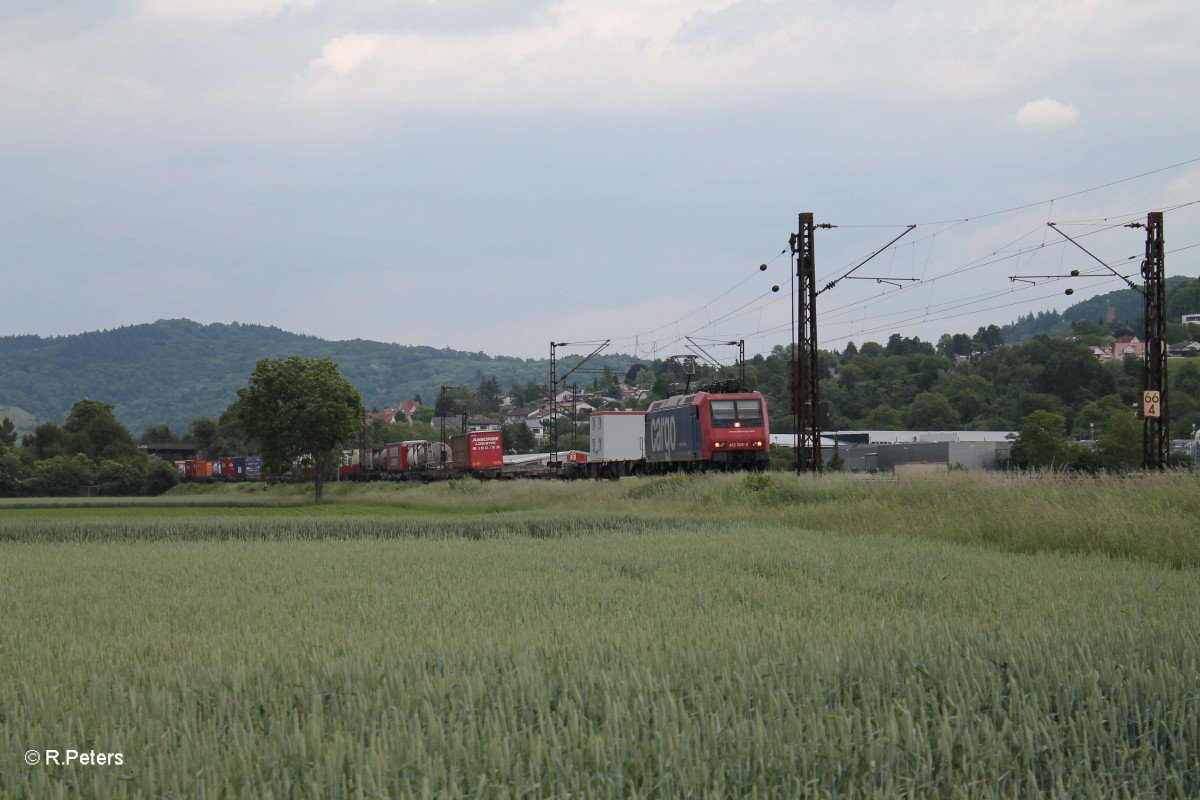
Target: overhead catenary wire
<point>675,323</point>
<point>1025,206</point>
<point>928,311</point>
<point>978,263</point>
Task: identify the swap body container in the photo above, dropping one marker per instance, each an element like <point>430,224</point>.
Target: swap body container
<point>253,468</point>
<point>477,450</point>
<point>617,435</point>
<point>394,458</point>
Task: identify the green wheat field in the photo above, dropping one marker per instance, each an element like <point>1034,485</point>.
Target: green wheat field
<point>720,636</point>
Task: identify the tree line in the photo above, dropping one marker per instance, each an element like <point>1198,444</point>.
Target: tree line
<point>90,449</point>
<point>1051,390</point>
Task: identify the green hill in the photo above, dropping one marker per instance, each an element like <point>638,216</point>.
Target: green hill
<point>173,371</point>
<point>1183,297</point>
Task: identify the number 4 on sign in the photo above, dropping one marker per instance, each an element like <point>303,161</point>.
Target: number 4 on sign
<point>1151,408</point>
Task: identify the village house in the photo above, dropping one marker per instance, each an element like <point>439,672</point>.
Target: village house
<point>387,415</point>
<point>1128,346</point>
<point>408,408</point>
<point>1184,350</point>
<point>630,392</point>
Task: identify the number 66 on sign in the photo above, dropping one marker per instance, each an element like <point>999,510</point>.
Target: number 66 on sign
<point>1151,405</point>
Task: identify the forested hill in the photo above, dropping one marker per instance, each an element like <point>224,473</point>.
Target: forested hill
<point>1183,297</point>
<point>173,371</point>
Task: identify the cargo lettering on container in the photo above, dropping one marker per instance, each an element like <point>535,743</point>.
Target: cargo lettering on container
<point>662,433</point>
<point>672,434</point>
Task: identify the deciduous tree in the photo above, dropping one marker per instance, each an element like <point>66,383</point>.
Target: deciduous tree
<point>157,433</point>
<point>60,476</point>
<point>97,431</point>
<point>298,408</point>
<point>1120,440</point>
<point>931,412</point>
<point>11,473</point>
<point>203,433</point>
<point>8,434</point>
<point>1042,443</point>
<point>518,438</point>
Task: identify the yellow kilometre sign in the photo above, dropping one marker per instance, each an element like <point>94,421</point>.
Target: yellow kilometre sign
<point>1151,404</point>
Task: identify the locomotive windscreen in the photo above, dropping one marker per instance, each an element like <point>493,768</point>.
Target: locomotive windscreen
<point>737,413</point>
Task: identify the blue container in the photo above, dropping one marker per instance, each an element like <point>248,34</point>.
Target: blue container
<point>253,468</point>
<point>673,433</point>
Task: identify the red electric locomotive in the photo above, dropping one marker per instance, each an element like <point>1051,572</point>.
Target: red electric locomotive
<point>706,430</point>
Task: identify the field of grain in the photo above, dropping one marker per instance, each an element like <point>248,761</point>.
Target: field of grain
<point>723,636</point>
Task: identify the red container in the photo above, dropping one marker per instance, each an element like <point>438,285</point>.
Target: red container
<point>477,450</point>
<point>394,457</point>
<point>198,468</point>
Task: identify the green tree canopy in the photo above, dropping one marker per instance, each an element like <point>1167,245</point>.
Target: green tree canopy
<point>1185,299</point>
<point>1042,443</point>
<point>97,432</point>
<point>157,433</point>
<point>1095,413</point>
<point>970,395</point>
<point>60,476</point>
<point>11,473</point>
<point>884,418</point>
<point>120,478</point>
<point>299,408</point>
<point>1120,440</point>
<point>518,438</point>
<point>203,433</point>
<point>8,434</point>
<point>488,394</point>
<point>988,338</point>
<point>931,412</point>
<point>1185,397</point>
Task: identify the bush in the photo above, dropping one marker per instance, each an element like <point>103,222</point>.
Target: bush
<point>11,472</point>
<point>757,484</point>
<point>159,476</point>
<point>119,478</point>
<point>61,476</point>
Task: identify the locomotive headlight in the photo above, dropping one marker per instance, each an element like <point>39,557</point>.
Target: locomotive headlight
<point>718,444</point>
<point>758,444</point>
<point>737,424</point>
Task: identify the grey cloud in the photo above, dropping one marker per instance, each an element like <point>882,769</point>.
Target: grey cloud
<point>433,16</point>
<point>741,22</point>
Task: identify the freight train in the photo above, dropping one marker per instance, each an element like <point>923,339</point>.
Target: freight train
<point>248,468</point>
<point>479,452</point>
<point>694,432</point>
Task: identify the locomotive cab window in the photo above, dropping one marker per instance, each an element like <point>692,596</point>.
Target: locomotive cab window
<point>737,413</point>
<point>750,411</point>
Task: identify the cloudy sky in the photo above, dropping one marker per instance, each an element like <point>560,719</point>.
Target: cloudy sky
<point>493,175</point>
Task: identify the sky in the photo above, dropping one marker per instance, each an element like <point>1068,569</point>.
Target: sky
<point>494,176</point>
